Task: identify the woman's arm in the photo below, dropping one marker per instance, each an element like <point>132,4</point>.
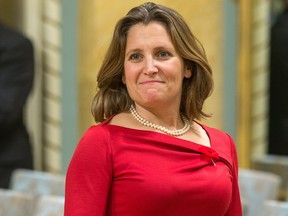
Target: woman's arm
<point>89,175</point>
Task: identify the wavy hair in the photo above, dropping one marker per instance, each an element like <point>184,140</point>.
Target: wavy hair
<point>112,96</point>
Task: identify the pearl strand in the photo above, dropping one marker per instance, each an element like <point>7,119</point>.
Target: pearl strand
<point>147,123</point>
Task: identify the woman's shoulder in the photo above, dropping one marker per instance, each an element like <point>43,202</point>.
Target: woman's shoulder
<point>101,131</point>
<point>95,133</point>
<point>217,135</point>
<point>95,138</point>
<point>122,119</point>
<point>223,143</point>
<point>212,130</point>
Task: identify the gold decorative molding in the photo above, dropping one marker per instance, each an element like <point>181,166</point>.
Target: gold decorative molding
<point>244,84</point>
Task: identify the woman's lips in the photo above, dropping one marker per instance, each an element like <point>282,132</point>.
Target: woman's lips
<point>151,81</point>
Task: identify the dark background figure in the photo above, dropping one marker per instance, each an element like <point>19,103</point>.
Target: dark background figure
<point>278,107</point>
<point>16,80</point>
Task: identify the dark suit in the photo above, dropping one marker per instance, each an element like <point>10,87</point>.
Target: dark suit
<point>278,120</point>
<point>16,79</point>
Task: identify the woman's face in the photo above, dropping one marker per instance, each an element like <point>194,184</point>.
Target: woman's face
<point>153,70</point>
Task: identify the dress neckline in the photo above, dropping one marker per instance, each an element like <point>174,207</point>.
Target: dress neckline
<point>163,136</point>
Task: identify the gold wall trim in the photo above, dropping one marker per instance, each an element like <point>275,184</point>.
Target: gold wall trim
<point>244,84</point>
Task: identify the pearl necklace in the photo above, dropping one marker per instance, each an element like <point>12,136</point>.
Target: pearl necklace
<point>147,123</point>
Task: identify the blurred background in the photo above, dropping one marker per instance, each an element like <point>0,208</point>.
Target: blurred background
<point>70,38</point>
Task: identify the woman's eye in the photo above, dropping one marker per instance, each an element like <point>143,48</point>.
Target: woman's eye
<point>135,57</point>
<point>163,54</point>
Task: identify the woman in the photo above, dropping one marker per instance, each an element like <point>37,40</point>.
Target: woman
<point>148,156</point>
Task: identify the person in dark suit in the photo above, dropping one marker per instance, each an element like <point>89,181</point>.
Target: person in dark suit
<point>16,80</point>
<point>278,107</point>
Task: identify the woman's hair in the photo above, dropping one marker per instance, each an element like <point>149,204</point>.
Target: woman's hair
<point>112,96</point>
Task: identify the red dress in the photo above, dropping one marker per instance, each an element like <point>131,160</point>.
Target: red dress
<point>117,171</point>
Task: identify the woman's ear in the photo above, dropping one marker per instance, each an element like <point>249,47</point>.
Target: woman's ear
<point>188,72</point>
<point>123,79</point>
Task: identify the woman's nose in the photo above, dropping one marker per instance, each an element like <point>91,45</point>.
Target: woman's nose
<point>150,67</point>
